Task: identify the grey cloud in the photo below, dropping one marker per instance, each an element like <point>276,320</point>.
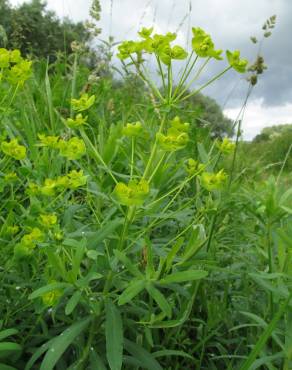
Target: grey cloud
<point>230,23</point>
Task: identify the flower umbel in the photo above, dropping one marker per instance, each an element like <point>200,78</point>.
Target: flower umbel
<point>213,181</point>
<point>76,122</point>
<point>235,62</point>
<point>13,149</point>
<point>203,45</point>
<point>133,194</point>
<point>72,149</point>
<point>84,103</point>
<point>226,146</point>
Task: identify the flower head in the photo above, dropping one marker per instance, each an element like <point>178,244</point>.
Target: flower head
<point>13,149</point>
<point>76,179</point>
<point>20,72</point>
<point>48,220</point>
<point>235,62</point>
<point>31,239</point>
<point>83,103</point>
<point>76,122</point>
<point>177,136</point>
<point>72,149</point>
<point>4,58</point>
<point>213,181</point>
<point>133,129</point>
<point>194,167</point>
<point>49,187</point>
<point>49,141</point>
<point>226,146</point>
<point>133,194</point>
<point>203,45</point>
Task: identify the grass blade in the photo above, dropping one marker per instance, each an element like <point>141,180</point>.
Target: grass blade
<point>114,336</point>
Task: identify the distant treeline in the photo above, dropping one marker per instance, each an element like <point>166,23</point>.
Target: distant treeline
<point>36,31</point>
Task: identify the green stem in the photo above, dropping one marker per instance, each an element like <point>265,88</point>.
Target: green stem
<point>205,85</point>
<point>157,167</point>
<point>197,75</point>
<point>241,113</point>
<point>132,158</point>
<point>154,149</point>
<point>73,87</point>
<point>161,72</point>
<point>97,155</point>
<point>185,74</point>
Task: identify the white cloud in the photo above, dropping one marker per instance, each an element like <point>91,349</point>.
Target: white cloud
<point>258,116</point>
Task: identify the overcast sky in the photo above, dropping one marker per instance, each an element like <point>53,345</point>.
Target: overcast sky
<point>230,23</point>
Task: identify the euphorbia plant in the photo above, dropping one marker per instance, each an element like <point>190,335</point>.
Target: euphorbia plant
<point>117,221</point>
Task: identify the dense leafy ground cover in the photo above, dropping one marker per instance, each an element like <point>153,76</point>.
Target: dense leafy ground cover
<point>129,238</point>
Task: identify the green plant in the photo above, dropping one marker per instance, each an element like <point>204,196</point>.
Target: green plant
<point>122,244</point>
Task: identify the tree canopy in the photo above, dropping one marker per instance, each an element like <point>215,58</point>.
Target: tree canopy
<point>35,30</point>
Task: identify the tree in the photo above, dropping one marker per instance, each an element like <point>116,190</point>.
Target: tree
<point>35,30</point>
<point>269,133</point>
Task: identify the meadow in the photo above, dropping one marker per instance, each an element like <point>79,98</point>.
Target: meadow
<point>130,236</point>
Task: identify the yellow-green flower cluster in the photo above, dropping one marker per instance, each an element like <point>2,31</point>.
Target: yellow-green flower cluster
<point>28,242</point>
<point>158,44</point>
<point>10,177</point>
<point>213,181</point>
<point>194,167</point>
<point>203,45</point>
<point>48,220</point>
<point>83,103</point>
<point>15,69</point>
<point>49,141</point>
<point>133,194</point>
<point>51,298</point>
<point>133,129</point>
<point>73,180</point>
<point>76,122</point>
<point>176,138</point>
<point>226,146</point>
<point>72,149</point>
<point>13,149</point>
<point>80,105</point>
<point>235,62</point>
<point>12,230</point>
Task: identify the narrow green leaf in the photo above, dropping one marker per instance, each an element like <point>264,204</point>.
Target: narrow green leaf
<point>48,288</point>
<point>59,345</point>
<point>169,352</point>
<point>7,333</point>
<point>114,336</point>
<point>95,362</point>
<point>179,277</point>
<point>6,367</point>
<point>73,302</point>
<point>142,356</point>
<point>159,299</point>
<point>38,353</point>
<point>184,313</point>
<point>134,288</point>
<point>129,265</point>
<point>265,336</point>
<point>104,232</point>
<point>9,346</point>
<point>173,252</point>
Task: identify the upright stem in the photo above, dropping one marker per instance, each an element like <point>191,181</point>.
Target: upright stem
<point>204,86</point>
<point>197,75</point>
<point>132,157</point>
<point>154,149</point>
